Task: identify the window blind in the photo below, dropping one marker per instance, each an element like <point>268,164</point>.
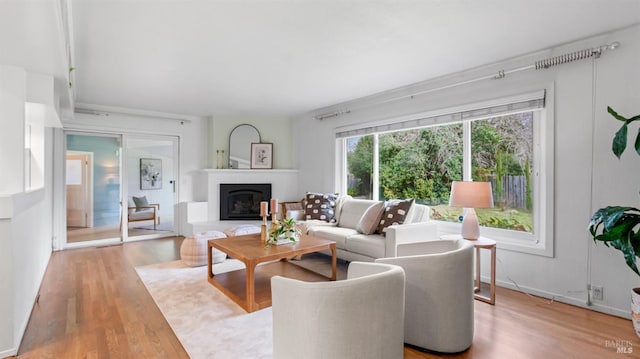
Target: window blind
<point>500,107</point>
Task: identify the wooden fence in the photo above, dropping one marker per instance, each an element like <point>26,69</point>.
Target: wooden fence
<point>514,192</point>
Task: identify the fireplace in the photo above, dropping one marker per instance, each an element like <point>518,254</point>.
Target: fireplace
<point>242,201</point>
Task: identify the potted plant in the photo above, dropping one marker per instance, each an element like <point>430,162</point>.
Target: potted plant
<point>284,231</point>
<point>618,226</point>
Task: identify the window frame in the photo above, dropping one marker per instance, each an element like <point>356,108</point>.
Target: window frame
<point>541,240</point>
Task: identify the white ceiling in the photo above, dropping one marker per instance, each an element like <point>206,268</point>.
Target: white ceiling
<point>281,58</point>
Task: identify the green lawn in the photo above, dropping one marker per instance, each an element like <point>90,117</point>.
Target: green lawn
<point>509,218</point>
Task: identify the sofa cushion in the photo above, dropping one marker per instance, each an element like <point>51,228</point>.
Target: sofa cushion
<point>352,211</point>
<point>320,206</point>
<point>142,215</point>
<point>418,213</point>
<point>305,226</point>
<point>370,219</point>
<point>395,212</point>
<point>140,203</point>
<point>332,233</point>
<point>338,209</point>
<point>372,245</point>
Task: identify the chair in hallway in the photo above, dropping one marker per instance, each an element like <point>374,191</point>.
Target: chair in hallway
<point>139,209</point>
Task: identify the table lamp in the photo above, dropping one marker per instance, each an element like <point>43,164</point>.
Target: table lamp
<point>470,195</point>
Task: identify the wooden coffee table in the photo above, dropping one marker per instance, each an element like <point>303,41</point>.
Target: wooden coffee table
<point>250,288</point>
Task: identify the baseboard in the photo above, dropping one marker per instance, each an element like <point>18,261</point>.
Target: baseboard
<point>563,298</point>
<point>8,353</point>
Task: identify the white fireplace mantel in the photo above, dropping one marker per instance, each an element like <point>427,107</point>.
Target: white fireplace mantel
<point>284,185</point>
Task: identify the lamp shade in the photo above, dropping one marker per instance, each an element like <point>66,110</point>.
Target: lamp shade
<point>469,194</point>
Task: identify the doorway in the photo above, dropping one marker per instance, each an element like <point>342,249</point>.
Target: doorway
<point>151,166</point>
<point>79,189</point>
<point>93,188</point>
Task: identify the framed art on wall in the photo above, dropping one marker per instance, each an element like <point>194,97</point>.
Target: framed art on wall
<point>150,173</point>
<point>262,155</point>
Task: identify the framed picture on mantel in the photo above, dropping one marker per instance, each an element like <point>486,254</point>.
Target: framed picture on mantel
<point>262,155</point>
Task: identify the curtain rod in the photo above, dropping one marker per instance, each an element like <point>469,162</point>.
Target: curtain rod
<point>538,65</point>
<point>107,111</point>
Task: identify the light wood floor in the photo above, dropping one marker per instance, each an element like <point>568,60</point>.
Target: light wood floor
<point>76,234</point>
<point>93,305</point>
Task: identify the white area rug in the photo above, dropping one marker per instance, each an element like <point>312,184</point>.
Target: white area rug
<point>207,323</point>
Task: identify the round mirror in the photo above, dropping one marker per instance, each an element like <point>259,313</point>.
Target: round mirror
<point>240,140</point>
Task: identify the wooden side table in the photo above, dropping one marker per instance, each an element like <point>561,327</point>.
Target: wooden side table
<point>490,244</point>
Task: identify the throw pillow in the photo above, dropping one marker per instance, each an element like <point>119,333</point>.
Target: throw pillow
<point>320,206</point>
<point>292,210</point>
<point>338,209</point>
<point>370,218</point>
<point>394,212</point>
<point>140,203</point>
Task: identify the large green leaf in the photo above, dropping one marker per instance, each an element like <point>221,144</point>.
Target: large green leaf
<point>618,228</point>
<point>607,217</point>
<point>629,253</point>
<point>635,242</point>
<point>615,217</point>
<point>620,141</point>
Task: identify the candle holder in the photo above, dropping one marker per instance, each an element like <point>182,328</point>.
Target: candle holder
<point>263,230</point>
<point>274,220</point>
<point>274,214</point>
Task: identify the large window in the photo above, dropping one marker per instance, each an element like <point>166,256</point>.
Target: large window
<point>360,166</point>
<point>507,150</point>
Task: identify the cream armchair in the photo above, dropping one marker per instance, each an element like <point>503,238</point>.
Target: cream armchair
<point>140,210</point>
<point>439,294</point>
<point>360,317</point>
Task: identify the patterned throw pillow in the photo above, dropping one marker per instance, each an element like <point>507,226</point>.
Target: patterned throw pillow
<point>395,212</point>
<point>320,206</point>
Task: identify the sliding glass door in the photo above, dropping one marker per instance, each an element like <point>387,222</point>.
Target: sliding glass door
<point>119,187</point>
<point>93,188</point>
<point>151,166</point>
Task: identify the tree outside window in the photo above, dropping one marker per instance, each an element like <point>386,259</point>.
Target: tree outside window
<point>360,166</point>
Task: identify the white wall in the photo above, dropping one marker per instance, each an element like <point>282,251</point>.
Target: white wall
<point>273,129</point>
<point>24,247</point>
<point>32,236</point>
<point>574,265</point>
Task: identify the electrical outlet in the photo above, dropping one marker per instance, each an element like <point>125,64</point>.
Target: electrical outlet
<point>597,293</point>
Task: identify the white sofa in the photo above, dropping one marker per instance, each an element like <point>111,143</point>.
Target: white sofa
<point>353,245</point>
